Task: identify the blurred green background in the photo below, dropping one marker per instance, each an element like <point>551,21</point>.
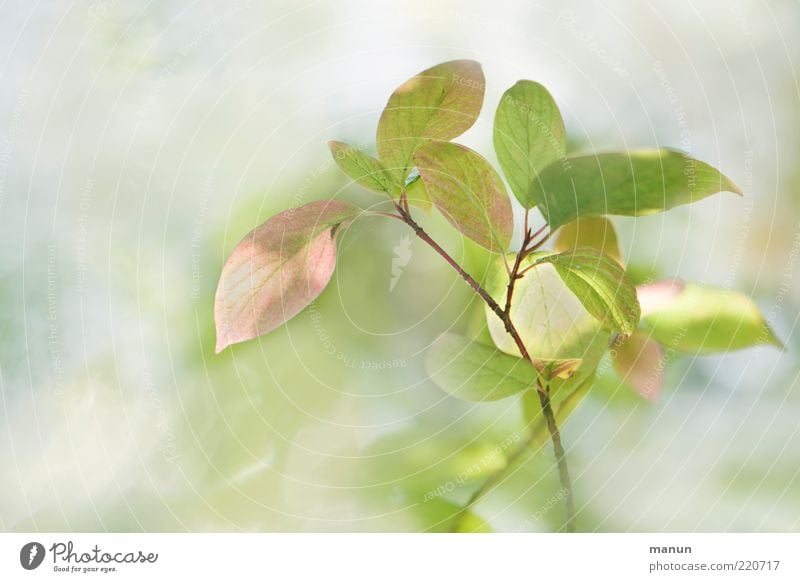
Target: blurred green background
<point>140,141</point>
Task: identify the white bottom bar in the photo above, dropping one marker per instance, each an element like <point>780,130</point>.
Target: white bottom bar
<point>401,557</point>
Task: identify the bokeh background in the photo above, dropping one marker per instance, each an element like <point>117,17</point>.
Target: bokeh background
<point>140,141</point>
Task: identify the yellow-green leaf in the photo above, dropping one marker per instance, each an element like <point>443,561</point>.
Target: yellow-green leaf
<point>595,232</point>
<point>439,104</point>
<point>552,321</point>
<point>702,319</point>
<point>470,522</point>
<point>468,191</point>
<point>601,285</point>
<point>359,166</point>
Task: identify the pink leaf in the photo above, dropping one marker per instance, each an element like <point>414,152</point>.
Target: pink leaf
<point>468,191</point>
<point>638,359</point>
<point>277,270</point>
<point>655,296</point>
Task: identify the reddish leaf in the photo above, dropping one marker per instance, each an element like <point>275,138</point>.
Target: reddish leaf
<point>277,270</point>
<point>468,191</point>
<point>655,296</point>
<point>638,359</point>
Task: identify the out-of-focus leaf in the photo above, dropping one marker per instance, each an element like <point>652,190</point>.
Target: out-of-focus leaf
<point>595,232</point>
<point>703,319</point>
<point>638,360</point>
<point>630,184</point>
<point>657,295</point>
<point>528,136</point>
<point>468,191</point>
<point>440,515</point>
<point>469,522</point>
<point>359,166</point>
<point>403,459</point>
<point>566,396</point>
<point>601,286</point>
<point>277,270</point>
<point>476,372</point>
<point>438,104</point>
<point>552,321</point>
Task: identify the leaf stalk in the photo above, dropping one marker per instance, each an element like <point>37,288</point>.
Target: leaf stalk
<point>504,313</point>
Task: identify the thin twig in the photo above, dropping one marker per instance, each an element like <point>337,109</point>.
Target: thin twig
<point>514,274</point>
<point>561,457</point>
<point>493,479</point>
<point>384,214</point>
<point>505,316</point>
<point>535,246</point>
<point>420,232</point>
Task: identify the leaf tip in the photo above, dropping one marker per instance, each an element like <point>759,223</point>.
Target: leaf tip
<point>733,187</point>
<point>771,338</point>
<point>468,63</point>
<point>223,338</point>
<point>527,83</point>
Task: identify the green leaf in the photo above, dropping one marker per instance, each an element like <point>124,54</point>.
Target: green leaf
<point>277,270</point>
<point>600,284</point>
<point>402,460</point>
<point>417,194</point>
<point>630,184</point>
<point>595,232</point>
<point>476,372</point>
<point>554,324</point>
<point>703,319</point>
<point>440,103</point>
<point>468,191</point>
<point>529,135</point>
<point>639,362</point>
<point>359,166</point>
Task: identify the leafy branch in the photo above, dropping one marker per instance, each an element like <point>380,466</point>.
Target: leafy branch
<point>551,314</point>
<point>504,314</point>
